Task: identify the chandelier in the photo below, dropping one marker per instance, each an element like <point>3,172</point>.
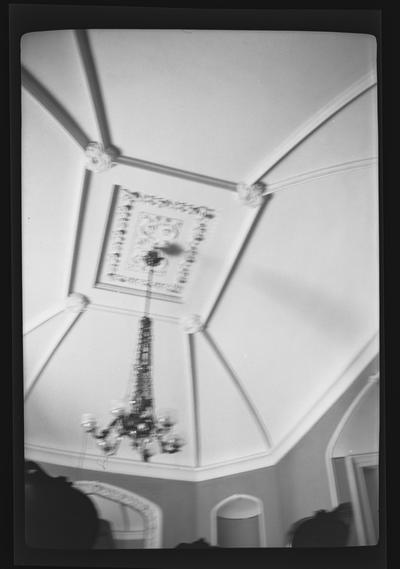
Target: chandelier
<point>136,419</point>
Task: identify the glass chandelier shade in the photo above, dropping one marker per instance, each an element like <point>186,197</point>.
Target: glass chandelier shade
<point>136,419</point>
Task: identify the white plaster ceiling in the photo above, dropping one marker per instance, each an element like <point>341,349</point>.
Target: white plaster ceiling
<point>289,296</point>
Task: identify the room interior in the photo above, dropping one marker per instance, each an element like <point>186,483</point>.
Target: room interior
<point>249,161</point>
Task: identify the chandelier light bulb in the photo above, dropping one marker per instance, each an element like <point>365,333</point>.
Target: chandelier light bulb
<point>118,407</point>
<point>166,418</point>
<point>173,443</point>
<point>88,422</point>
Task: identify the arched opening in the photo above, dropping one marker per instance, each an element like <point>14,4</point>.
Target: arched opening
<point>238,521</point>
<point>129,521</point>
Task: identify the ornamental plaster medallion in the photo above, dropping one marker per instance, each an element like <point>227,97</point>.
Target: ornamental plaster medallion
<point>192,323</point>
<point>76,302</point>
<point>138,222</point>
<point>250,195</point>
<point>98,159</point>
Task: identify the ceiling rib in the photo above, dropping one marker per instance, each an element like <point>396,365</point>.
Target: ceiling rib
<point>191,357</point>
<point>71,268</point>
<point>316,121</point>
<point>176,172</point>
<point>321,173</point>
<point>54,107</point>
<point>49,315</point>
<point>238,251</point>
<point>38,373</point>
<point>256,416</point>
<point>94,85</point>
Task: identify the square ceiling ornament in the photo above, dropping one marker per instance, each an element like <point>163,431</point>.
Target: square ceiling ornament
<point>138,222</point>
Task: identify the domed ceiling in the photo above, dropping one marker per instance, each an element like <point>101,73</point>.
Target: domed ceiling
<point>254,154</point>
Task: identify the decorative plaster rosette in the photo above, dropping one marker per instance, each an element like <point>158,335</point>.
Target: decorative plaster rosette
<point>252,195</point>
<point>98,159</point>
<point>76,302</point>
<point>192,323</point>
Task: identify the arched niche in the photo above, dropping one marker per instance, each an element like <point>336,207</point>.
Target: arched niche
<point>352,461</point>
<point>135,521</point>
<point>238,521</point>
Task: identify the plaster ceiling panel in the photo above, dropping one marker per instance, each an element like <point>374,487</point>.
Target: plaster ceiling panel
<point>51,175</point>
<point>53,58</point>
<point>350,135</point>
<point>219,102</point>
<point>305,296</point>
<point>91,369</point>
<point>228,430</point>
<point>126,209</point>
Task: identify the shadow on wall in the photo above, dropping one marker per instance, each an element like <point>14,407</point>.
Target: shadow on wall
<point>324,312</point>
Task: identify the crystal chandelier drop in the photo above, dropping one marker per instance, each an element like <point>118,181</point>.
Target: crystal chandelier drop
<point>136,419</point>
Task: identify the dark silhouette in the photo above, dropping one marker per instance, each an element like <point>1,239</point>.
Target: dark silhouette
<point>324,529</point>
<point>198,544</point>
<point>57,515</point>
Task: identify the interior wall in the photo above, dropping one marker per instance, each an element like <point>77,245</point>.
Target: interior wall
<point>302,473</point>
<point>261,483</point>
<point>176,498</point>
<point>293,489</point>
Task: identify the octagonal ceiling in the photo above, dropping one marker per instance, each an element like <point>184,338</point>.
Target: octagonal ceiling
<point>286,289</point>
